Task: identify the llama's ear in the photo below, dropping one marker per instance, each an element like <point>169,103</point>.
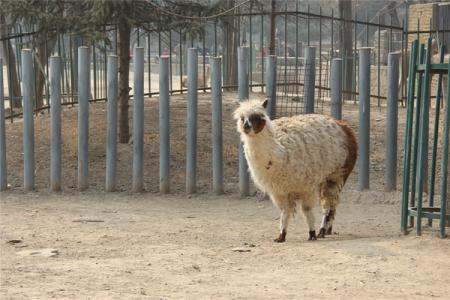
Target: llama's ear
<point>265,102</point>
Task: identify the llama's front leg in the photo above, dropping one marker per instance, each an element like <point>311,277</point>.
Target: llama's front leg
<point>284,218</point>
<point>309,216</point>
<point>326,227</point>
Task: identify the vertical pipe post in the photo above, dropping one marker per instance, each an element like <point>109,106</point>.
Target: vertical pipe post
<point>55,115</point>
<point>364,117</point>
<point>28,121</point>
<point>83,116</point>
<point>111,137</point>
<point>3,171</point>
<point>217,139</point>
<point>164,126</point>
<point>336,88</point>
<point>390,175</point>
<point>191,151</point>
<point>310,79</point>
<point>138,120</point>
<point>244,185</point>
<point>271,90</point>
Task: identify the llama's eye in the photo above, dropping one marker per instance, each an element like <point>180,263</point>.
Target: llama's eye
<point>242,119</point>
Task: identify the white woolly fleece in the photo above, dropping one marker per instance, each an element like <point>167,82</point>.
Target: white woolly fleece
<point>291,158</point>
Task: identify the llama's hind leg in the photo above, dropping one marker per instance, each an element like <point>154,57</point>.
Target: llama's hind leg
<point>284,219</point>
<point>329,199</point>
<point>309,216</point>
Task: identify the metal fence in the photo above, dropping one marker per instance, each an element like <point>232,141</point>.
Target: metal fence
<point>252,29</point>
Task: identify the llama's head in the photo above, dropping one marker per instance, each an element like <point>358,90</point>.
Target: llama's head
<point>251,117</point>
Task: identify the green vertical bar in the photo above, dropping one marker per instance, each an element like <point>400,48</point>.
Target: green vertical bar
<point>416,134</point>
<point>408,135</point>
<point>403,57</point>
<point>444,179</point>
<point>435,137</point>
<point>423,136</point>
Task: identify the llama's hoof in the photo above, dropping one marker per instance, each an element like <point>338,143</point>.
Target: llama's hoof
<point>281,238</point>
<point>329,231</point>
<point>322,233</point>
<point>312,235</point>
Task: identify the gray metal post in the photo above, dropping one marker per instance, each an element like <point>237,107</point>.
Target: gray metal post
<point>364,117</point>
<point>83,117</point>
<point>3,171</point>
<point>390,175</point>
<point>191,151</point>
<point>271,83</point>
<point>164,126</point>
<point>55,115</point>
<point>244,178</point>
<point>310,79</point>
<point>217,139</point>
<point>138,120</point>
<point>28,121</point>
<point>111,122</point>
<point>336,88</point>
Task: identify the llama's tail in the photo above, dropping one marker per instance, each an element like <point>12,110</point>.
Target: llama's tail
<point>352,149</point>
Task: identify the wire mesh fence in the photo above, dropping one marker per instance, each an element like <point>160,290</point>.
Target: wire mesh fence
<point>297,27</point>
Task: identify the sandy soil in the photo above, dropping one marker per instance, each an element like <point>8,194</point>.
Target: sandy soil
<point>146,246</point>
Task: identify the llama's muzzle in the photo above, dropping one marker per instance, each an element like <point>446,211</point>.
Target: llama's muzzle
<point>247,126</point>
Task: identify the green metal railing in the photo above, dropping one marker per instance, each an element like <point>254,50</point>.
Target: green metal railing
<point>415,165</point>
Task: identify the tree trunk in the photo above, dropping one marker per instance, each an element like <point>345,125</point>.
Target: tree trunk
<point>124,70</point>
<point>345,45</point>
<point>231,41</point>
<point>43,54</point>
<point>272,29</point>
<point>11,66</point>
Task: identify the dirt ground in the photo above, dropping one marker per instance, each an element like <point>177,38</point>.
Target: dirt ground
<point>97,245</point>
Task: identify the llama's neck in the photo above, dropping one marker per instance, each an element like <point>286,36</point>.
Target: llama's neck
<point>264,146</point>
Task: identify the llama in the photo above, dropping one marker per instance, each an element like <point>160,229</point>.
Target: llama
<point>297,160</point>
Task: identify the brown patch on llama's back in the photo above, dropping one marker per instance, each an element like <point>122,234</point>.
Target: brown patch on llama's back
<point>352,148</point>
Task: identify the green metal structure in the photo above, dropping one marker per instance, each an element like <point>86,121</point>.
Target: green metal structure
<point>415,168</point>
